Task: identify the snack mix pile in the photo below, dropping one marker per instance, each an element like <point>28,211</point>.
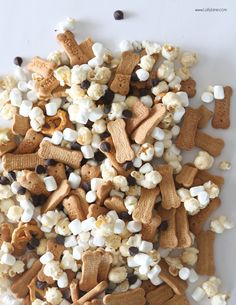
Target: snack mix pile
<point>96,204</point>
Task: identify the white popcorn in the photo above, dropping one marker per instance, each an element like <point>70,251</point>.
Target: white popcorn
<point>184,273</point>
<point>221,223</point>
<point>119,226</point>
<point>50,183</point>
<point>158,149</point>
<point>146,152</point>
<point>151,47</point>
<point>37,118</point>
<point>207,97</point>
<point>96,114</point>
<point>219,299</point>
<point>7,111</point>
<point>63,75</point>
<point>195,190</point>
<point>151,179</point>
<point>169,52</point>
<point>147,62</point>
<point>137,162</point>
<point>120,183</point>
<point>147,100</point>
<point>218,92</point>
<point>211,286</point>
<point>145,168</point>
<point>224,165</point>
<point>158,134</point>
<point>14,213</point>
<point>46,258</point>
<point>62,227</point>
<point>116,110</point>
<point>134,226</point>
<point>53,269</point>
<point>188,59</point>
<point>15,97</point>
<point>192,206</point>
<point>190,256</point>
<point>99,126</point>
<point>172,101</point>
<point>174,83</point>
<point>212,189</point>
<point>198,294</point>
<point>66,25</point>
<point>8,259</point>
<point>101,75</point>
<point>130,203</point>
<point>62,282</point>
<point>183,73</point>
<point>117,274</point>
<point>203,160</point>
<point>79,74</point>
<point>53,296</point>
<point>68,262</point>
<point>165,69</point>
<point>137,45</point>
<point>5,192</point>
<point>95,91</point>
<point>125,45</point>
<point>142,75</point>
<point>160,88</point>
<point>203,199</point>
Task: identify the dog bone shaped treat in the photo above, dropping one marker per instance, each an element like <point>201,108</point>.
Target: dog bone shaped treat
<point>205,176</point>
<point>55,248</point>
<point>18,162</point>
<point>182,228</point>
<point>30,143</point>
<point>34,291</point>
<point>206,115</point>
<point>74,290</point>
<point>208,143</point>
<point>178,300</point>
<point>7,147</point>
<point>6,230</point>
<point>131,297</point>
<point>140,113</point>
<point>189,86</point>
<point>20,125</point>
<point>41,66</point>
<point>93,302</point>
<point>149,230</point>
<point>115,203</point>
<point>57,171</point>
<point>47,85</point>
<point>104,266</point>
<point>89,172</point>
<point>168,238</point>
<point>75,208</point>
<point>93,293</point>
<point>94,210</point>
<point>187,175</point>
<point>32,182</point>
<point>56,122</point>
<point>103,191</point>
<point>159,295</point>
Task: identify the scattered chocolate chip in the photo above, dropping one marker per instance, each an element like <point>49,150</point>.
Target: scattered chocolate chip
<point>33,243</point>
<point>40,169</point>
<point>134,77</point>
<point>69,170</point>
<point>107,108</point>
<point>21,190</point>
<point>12,175</point>
<point>105,146</point>
<point>105,135</point>
<point>4,180</point>
<point>155,82</point>
<point>38,200</point>
<point>85,84</point>
<point>85,185</point>
<point>118,15</point>
<point>163,226</point>
<point>125,216</point>
<point>18,61</point>
<point>50,162</point>
<point>41,285</point>
<point>133,251</point>
<point>143,92</point>
<point>67,295</point>
<point>132,278</point>
<point>60,239</point>
<point>83,161</point>
<point>108,97</point>
<point>128,165</point>
<point>99,156</point>
<point>89,124</point>
<point>82,293</point>
<point>75,146</point>
<point>131,180</point>
<point>109,291</point>
<point>127,114</point>
<point>156,245</point>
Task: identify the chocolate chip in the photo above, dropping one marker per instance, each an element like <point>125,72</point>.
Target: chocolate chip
<point>132,278</point>
<point>105,146</point>
<point>85,186</point>
<point>50,162</point>
<point>89,124</point>
<point>128,165</point>
<point>127,114</point>
<point>143,92</point>
<point>21,190</point>
<point>133,251</point>
<point>4,180</point>
<point>155,82</point>
<point>83,161</point>
<point>38,199</point>
<point>118,15</point>
<point>85,84</point>
<point>69,170</point>
<point>125,216</point>
<point>75,146</point>
<point>12,175</point>
<point>163,226</point>
<point>105,135</point>
<point>67,295</point>
<point>156,245</point>
<point>108,96</point>
<point>107,108</point>
<point>99,156</point>
<point>82,293</point>
<point>60,239</point>
<point>40,169</point>
<point>34,243</point>
<point>131,180</point>
<point>18,61</point>
<point>41,285</point>
<point>134,77</point>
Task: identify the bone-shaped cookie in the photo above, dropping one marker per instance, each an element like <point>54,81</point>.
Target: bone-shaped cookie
<point>33,183</point>
<point>208,143</point>
<point>120,139</point>
<point>30,143</point>
<point>55,248</point>
<point>182,228</point>
<point>76,208</point>
<point>140,113</point>
<point>41,66</point>
<point>91,294</point>
<point>178,300</point>
<point>159,295</point>
<point>131,297</point>
<point>115,203</point>
<point>20,125</point>
<point>168,237</point>
<point>34,291</point>
<point>18,162</point>
<point>57,171</point>
<point>105,265</point>
<point>47,85</point>
<point>7,147</point>
<point>149,230</point>
<point>187,175</point>
<point>206,115</point>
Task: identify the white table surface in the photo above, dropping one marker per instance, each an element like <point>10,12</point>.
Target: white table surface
<point>27,29</point>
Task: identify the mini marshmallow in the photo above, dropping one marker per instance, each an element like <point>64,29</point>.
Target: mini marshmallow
<point>70,241</point>
<point>26,204</point>
<point>77,252</point>
<point>22,86</point>
<point>184,98</point>
<point>218,92</point>
<point>178,114</point>
<point>50,183</point>
<point>146,246</point>
<point>46,258</point>
<point>74,180</point>
<point>57,137</point>
<point>87,151</point>
<point>203,198</point>
<point>131,262</point>
<point>142,75</point>
<point>51,109</point>
<point>88,224</point>
<point>137,284</point>
<point>156,281</point>
<point>98,241</point>
<point>198,294</point>
<point>134,226</point>
<point>159,149</point>
<point>95,61</point>
<point>207,97</point>
<point>184,273</point>
<point>195,190</point>
<point>70,135</point>
<point>175,130</point>
<point>62,282</point>
<point>15,97</point>
<point>113,215</point>
<point>91,196</point>
<point>154,272</point>
<point>57,101</point>
<point>143,259</point>
<point>119,226</point>
<point>8,259</point>
<point>193,277</point>
<point>118,98</point>
<point>27,215</point>
<point>158,134</point>
<point>137,162</point>
<point>75,226</point>
<point>98,49</point>
<point>125,45</point>
<point>147,100</point>
<point>144,269</point>
<point>145,168</point>
<point>25,108</point>
<point>14,187</point>
<point>32,96</point>
<point>95,183</point>
<point>116,193</point>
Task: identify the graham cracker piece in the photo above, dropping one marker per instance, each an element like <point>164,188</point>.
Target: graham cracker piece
<point>33,183</point>
<point>103,191</point>
<point>75,208</point>
<point>186,175</point>
<point>186,137</point>
<point>159,295</point>
<point>208,143</point>
<point>105,265</point>
<point>205,176</point>
<point>55,248</point>
<point>130,297</point>
<point>182,228</point>
<point>56,197</point>
<point>149,230</point>
<point>206,115</point>
<point>120,140</point>
<point>170,199</point>
<point>144,208</point>
<point>6,230</point>
<point>189,86</point>
<point>168,238</point>
<point>205,244</point>
<point>148,286</point>
<point>93,302</point>
<point>94,210</point>
<point>93,293</point>
<point>18,162</point>
<point>41,66</point>
<point>20,124</point>
<point>178,300</point>
<point>59,92</point>
<point>221,116</point>
<point>86,47</point>
<point>57,171</point>
<point>20,287</point>
<point>34,291</point>
<point>115,203</point>
<point>30,143</point>
<point>196,222</point>
<point>7,147</point>
<point>49,151</point>
<point>156,115</point>
<point>179,286</point>
<point>139,113</point>
<point>47,85</point>
<point>74,290</point>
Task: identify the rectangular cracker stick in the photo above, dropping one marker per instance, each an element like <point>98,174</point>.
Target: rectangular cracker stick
<point>170,199</point>
<point>7,147</point>
<point>205,176</point>
<point>49,151</point>
<point>182,228</point>
<point>47,85</point>
<point>179,286</point>
<point>208,143</point>
<point>196,222</point>
<point>140,113</point>
<point>120,140</point>
<point>205,244</point>
<point>56,197</point>
<point>20,125</point>
<point>186,176</point>
<point>206,115</point>
<point>41,66</point>
<point>221,117</point>
<point>178,300</point>
<point>149,230</point>
<point>131,297</point>
<point>144,208</point>
<point>93,293</point>
<point>18,162</point>
<point>168,238</point>
<point>156,114</point>
<point>159,295</point>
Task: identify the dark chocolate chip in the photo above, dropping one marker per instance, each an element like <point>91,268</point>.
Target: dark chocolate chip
<point>127,114</point>
<point>38,199</point>
<point>132,278</point>
<point>131,180</point>
<point>69,170</point>
<point>85,84</point>
<point>33,243</point>
<point>40,169</point>
<point>164,225</point>
<point>75,146</point>
<point>12,175</point>
<point>99,156</point>
<point>21,190</point>
<point>60,239</point>
<point>125,216</point>
<point>105,135</point>
<point>128,165</point>
<point>143,92</point>
<point>107,108</point>
<point>118,15</point>
<point>85,186</point>
<point>133,251</point>
<point>50,162</point>
<point>67,295</point>
<point>134,77</point>
<point>41,285</point>
<point>108,96</point>
<point>105,147</point>
<point>83,161</point>
<point>18,61</point>
<point>155,82</point>
<point>4,180</point>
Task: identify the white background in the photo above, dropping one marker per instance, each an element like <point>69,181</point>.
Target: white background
<point>27,29</point>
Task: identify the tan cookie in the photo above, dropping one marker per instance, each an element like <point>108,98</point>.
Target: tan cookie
<point>120,140</point>
<point>18,162</point>
<point>49,151</point>
<point>27,300</point>
<point>182,228</point>
<point>93,302</point>
<point>33,183</point>
<point>90,266</point>
<point>56,197</point>
<point>103,191</point>
<point>185,139</point>
<point>178,300</point>
<point>186,176</point>
<point>157,113</point>
<point>168,237</point>
<point>41,66</point>
<point>20,287</point>
<point>159,295</point>
<point>205,176</point>
<point>149,230</point>
<point>93,293</point>
<point>115,203</point>
<point>206,115</point>
<point>170,199</point>
<point>55,248</point>
<point>59,92</point>
<point>105,265</point>
<point>30,143</point>
<point>77,54</point>
<point>131,297</point>
<point>148,286</point>
<point>95,210</point>
<point>6,230</point>
<point>189,86</point>
<point>74,290</point>
<point>20,125</point>
<point>76,208</point>
<point>144,208</point>
<point>197,221</point>
<point>221,117</point>
<point>120,84</point>
<point>208,143</point>
<point>35,292</point>
<point>54,123</point>
<point>205,244</point>
<point>139,113</point>
<point>7,147</point>
<point>47,85</point>
<point>89,172</point>
<point>57,171</point>
<point>179,286</point>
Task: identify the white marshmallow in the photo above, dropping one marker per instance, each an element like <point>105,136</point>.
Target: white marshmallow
<point>98,49</point>
<point>156,281</point>
<point>15,97</point>
<point>203,198</point>
<point>57,137</point>
<point>143,259</point>
<point>184,273</point>
<point>134,226</point>
<point>50,183</point>
<point>198,294</point>
<point>137,284</point>
<point>146,246</point>
<point>178,114</point>
<point>193,277</point>
<point>119,226</point>
<point>131,262</point>
<point>158,134</point>
<point>91,196</point>
<point>14,187</point>
<point>46,258</point>
<point>51,109</point>
<point>144,269</point>
<point>159,149</point>
<point>27,215</point>
<point>88,224</point>
<point>147,100</point>
<point>8,259</point>
<point>22,86</point>
<point>62,282</point>
<point>95,183</point>
<point>77,252</point>
<point>145,168</point>
<point>57,101</point>
<point>195,190</point>
<point>175,130</point>
<point>70,135</point>
<point>25,108</point>
<point>70,241</point>
<point>74,180</point>
<point>154,272</point>
<point>113,215</point>
<point>95,61</point>
<point>142,75</point>
<point>75,226</point>
<point>219,92</point>
<point>87,151</point>
<point>137,162</point>
<point>82,116</point>
<point>116,193</point>
<point>32,96</point>
<point>118,98</point>
<point>184,98</point>
<point>125,45</point>
<point>98,241</point>
<point>207,97</point>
